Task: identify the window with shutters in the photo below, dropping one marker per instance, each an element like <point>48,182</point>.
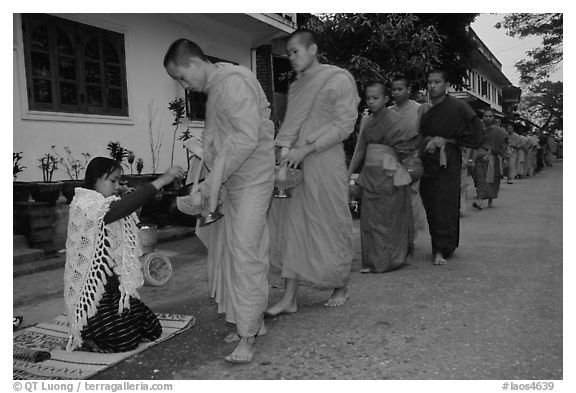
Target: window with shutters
<point>72,67</point>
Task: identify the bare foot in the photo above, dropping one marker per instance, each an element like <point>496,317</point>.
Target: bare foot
<point>244,351</point>
<point>338,298</point>
<point>282,307</point>
<point>233,336</point>
<point>439,260</point>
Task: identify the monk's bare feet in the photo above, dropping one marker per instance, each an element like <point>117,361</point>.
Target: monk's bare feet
<point>439,259</point>
<point>233,336</point>
<point>244,351</point>
<point>338,298</point>
<point>282,307</point>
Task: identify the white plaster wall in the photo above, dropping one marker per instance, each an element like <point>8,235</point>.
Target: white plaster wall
<point>147,37</point>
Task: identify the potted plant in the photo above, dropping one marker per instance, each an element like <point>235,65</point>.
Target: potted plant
<point>21,190</point>
<point>47,191</point>
<point>75,169</point>
<point>117,152</point>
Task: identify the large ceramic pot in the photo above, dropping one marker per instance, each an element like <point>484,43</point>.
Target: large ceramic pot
<point>21,191</point>
<point>69,188</point>
<point>46,192</point>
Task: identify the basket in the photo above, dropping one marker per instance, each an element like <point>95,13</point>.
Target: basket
<point>156,269</point>
<point>148,235</point>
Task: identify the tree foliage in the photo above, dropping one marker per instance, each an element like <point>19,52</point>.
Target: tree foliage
<point>542,60</point>
<point>376,46</point>
<point>543,105</point>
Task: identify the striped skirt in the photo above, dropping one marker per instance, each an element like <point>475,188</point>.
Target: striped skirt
<point>109,332</point>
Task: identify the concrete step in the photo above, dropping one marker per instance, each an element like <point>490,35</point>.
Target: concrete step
<point>19,242</point>
<point>36,266</point>
<point>29,261</point>
<point>27,255</point>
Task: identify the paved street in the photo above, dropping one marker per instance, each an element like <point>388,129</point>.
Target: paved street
<point>494,312</point>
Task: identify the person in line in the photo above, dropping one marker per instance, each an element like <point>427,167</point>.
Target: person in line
<point>239,138</point>
<point>541,153</point>
<point>467,164</point>
<point>401,90</point>
<point>551,151</point>
<point>448,124</point>
<point>487,163</point>
<point>103,270</point>
<point>312,231</point>
<point>523,147</point>
<point>386,219</point>
<point>531,154</point>
<point>513,147</point>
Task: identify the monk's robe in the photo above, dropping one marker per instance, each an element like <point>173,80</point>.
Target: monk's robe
<point>513,147</point>
<point>531,155</point>
<point>386,220</point>
<point>239,134</point>
<point>551,151</point>
<point>487,162</point>
<point>410,110</point>
<point>311,232</point>
<point>456,124</point>
<point>523,146</point>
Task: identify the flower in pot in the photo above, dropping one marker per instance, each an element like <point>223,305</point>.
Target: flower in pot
<point>139,165</point>
<point>75,168</point>
<point>131,158</point>
<point>21,190</point>
<point>47,191</point>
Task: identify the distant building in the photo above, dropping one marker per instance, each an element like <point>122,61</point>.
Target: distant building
<point>488,87</point>
<point>83,80</point>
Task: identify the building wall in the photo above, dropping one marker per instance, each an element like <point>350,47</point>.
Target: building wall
<point>147,37</point>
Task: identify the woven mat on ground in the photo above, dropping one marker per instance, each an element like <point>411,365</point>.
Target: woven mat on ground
<point>52,336</point>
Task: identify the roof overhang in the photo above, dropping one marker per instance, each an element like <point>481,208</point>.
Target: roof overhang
<point>264,28</point>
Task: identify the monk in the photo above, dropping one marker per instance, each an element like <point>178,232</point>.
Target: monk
<point>312,231</point>
<point>238,137</point>
<point>386,220</point>
<point>486,161</point>
<point>448,124</point>
<point>513,148</point>
<point>409,109</point>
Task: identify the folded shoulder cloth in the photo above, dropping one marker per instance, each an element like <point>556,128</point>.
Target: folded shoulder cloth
<point>439,142</point>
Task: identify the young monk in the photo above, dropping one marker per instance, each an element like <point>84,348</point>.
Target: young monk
<point>239,136</point>
<point>386,221</point>
<point>312,230</point>
<point>447,125</point>
<point>487,163</point>
<point>410,109</point>
<point>513,148</point>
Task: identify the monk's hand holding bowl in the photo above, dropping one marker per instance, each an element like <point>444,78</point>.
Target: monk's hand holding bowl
<point>297,155</point>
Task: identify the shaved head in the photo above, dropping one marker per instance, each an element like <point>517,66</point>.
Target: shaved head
<point>180,52</point>
<point>305,37</point>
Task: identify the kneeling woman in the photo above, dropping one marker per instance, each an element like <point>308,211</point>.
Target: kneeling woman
<point>386,221</point>
<point>103,269</point>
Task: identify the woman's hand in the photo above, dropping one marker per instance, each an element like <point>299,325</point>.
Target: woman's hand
<point>297,155</point>
<point>168,176</point>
